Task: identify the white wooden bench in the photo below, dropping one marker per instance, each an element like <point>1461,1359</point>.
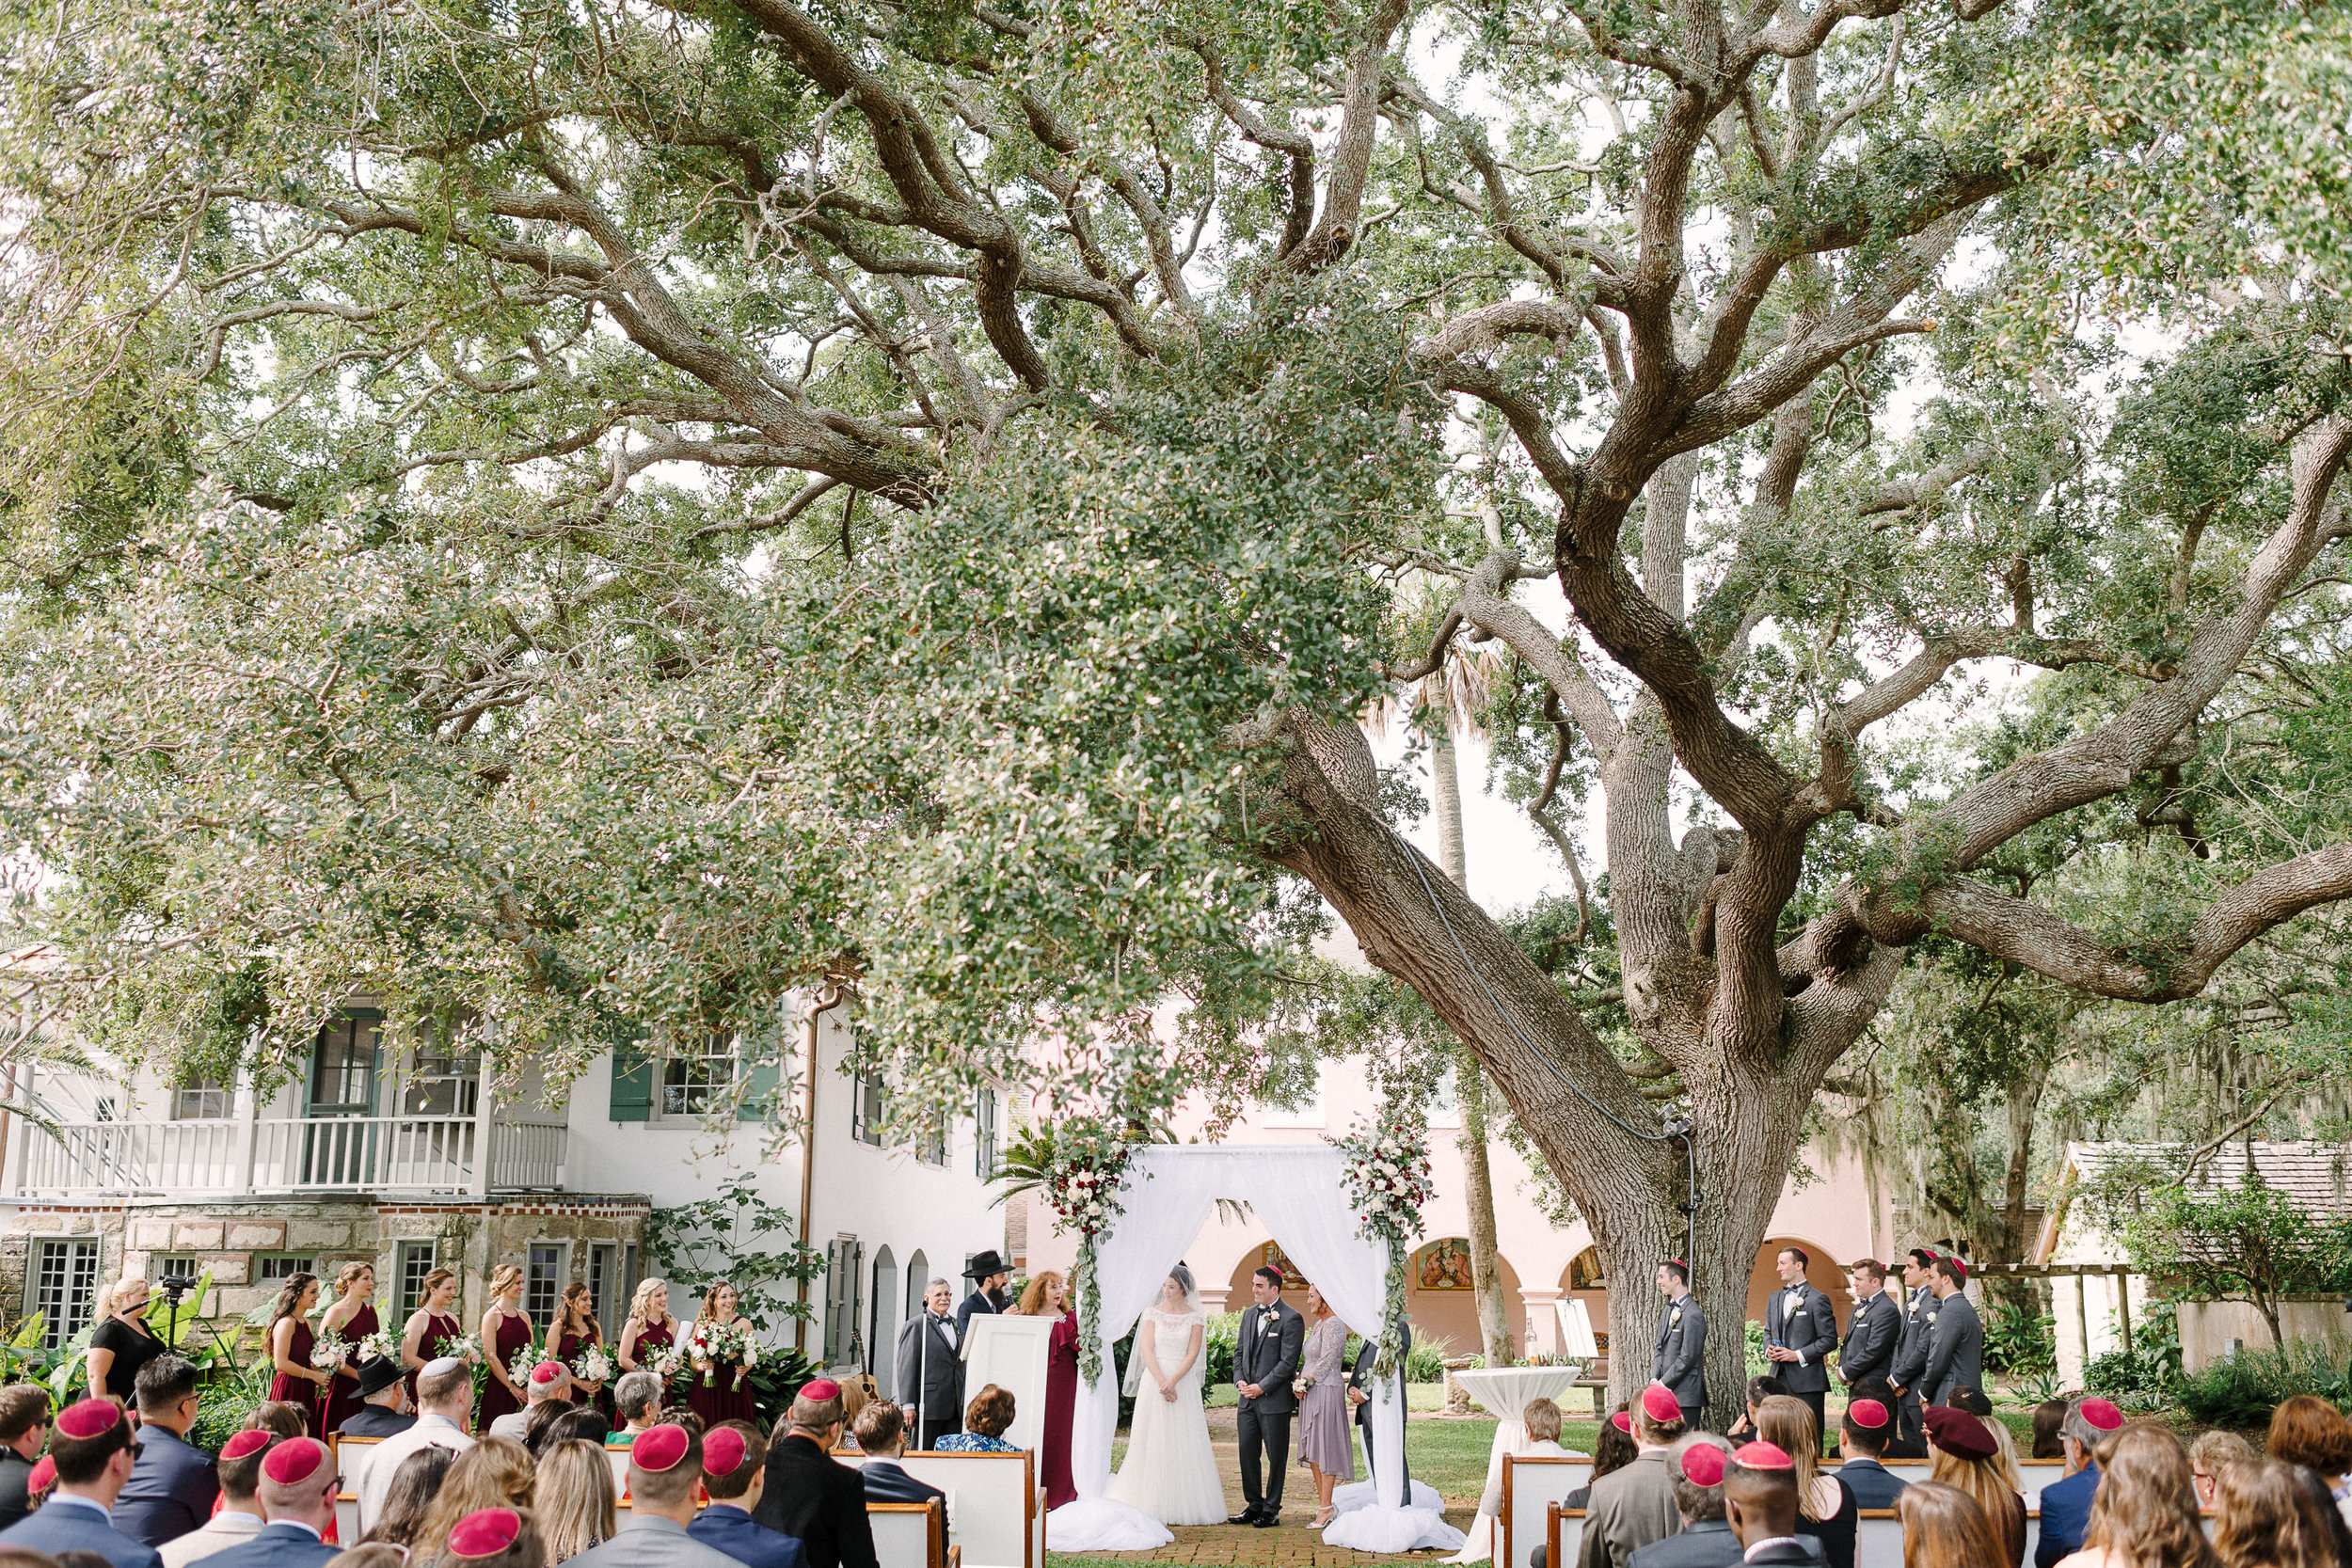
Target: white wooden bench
<point>995,1507</point>
<point>1531,1485</point>
<point>348,1454</point>
<point>1878,1535</point>
<point>911,1535</point>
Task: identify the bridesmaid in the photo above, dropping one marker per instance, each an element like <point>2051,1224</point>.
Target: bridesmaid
<point>1324,1445</point>
<point>352,1319</point>
<point>433,1327</point>
<point>504,1333</point>
<point>650,1328</point>
<point>1048,1297</point>
<point>576,1331</point>
<point>721,1392</point>
<point>297,1383</point>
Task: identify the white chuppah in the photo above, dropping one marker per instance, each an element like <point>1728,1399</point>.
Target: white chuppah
<point>1300,1194</point>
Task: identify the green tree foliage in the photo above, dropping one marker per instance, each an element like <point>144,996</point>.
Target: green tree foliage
<point>2240,1240</point>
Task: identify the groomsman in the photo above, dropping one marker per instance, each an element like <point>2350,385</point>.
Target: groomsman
<point>1955,1336</point>
<point>1876,1326</point>
<point>1910,1356</point>
<point>1265,1360</point>
<point>1679,1360</point>
<point>1800,1331</point>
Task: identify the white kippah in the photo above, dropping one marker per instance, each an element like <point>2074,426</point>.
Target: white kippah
<point>439,1364</point>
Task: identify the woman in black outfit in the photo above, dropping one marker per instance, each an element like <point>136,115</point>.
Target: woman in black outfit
<point>1826,1509</point>
<point>122,1343</point>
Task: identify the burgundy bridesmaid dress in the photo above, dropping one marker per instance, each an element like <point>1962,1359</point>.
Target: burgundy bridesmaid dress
<point>343,1400</point>
<point>514,1333</point>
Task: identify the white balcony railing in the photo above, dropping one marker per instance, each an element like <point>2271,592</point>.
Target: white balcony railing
<point>424,1155</point>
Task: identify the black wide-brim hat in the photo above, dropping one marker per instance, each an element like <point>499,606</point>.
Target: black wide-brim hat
<point>377,1373</point>
<point>985,1265</point>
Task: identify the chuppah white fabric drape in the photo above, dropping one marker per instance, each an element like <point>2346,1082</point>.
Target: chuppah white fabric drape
<point>1299,1191</point>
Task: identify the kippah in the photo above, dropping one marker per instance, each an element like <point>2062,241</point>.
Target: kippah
<point>44,1475</point>
<point>484,1532</point>
<point>1702,1465</point>
<point>1623,1422</point>
<point>1959,1265</point>
<point>244,1444</point>
<point>1276,1270</point>
<point>1763,1456</point>
<point>87,1418</point>
<point>294,1461</point>
<point>1660,1404</point>
<point>439,1364</point>
<point>822,1389</point>
<point>1677,1263</point>
<point>659,1448</point>
<point>1868,1413</point>
<point>547,1372</point>
<point>2100,1414</point>
<point>722,1452</point>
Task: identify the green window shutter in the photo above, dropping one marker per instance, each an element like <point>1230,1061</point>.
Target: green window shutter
<point>760,1090</point>
<point>632,1084</point>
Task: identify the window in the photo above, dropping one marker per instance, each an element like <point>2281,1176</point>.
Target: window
<point>543,1279</point>
<point>701,1084</point>
<point>415,1259</point>
<point>984,1135</point>
<point>933,1149</point>
<point>443,1079</point>
<point>65,1286</point>
<point>200,1100</point>
<point>342,1070</point>
<point>103,1108</point>
<point>603,1273</point>
<point>866,1108</point>
<point>279,1266</point>
<point>160,1268</point>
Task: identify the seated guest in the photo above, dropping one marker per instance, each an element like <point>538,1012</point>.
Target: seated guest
<point>572,1503</point>
<point>2066,1502</point>
<point>444,1405</point>
<point>548,1381</point>
<point>1635,1506</point>
<point>637,1400</point>
<point>24,1428</point>
<point>383,1389</point>
<point>1759,1389</point>
<point>92,1446</point>
<point>1696,1464</point>
<point>489,1538</point>
<point>1826,1510</point>
<point>2308,1430</point>
<point>809,1494</point>
<point>1966,1456</point>
<point>494,1473</point>
<point>2144,1514</point>
<point>2265,1517</point>
<point>240,1516</point>
<point>734,1472</point>
<point>882,1428</point>
<point>581,1423</point>
<point>1944,1527</point>
<point>415,1485</point>
<point>172,1486</point>
<point>665,1468</point>
<point>1863,1433</point>
<point>1542,1421</point>
<point>2209,1453</point>
<point>1760,1504</point>
<point>299,1486</point>
<point>984,1422</point>
<point>1974,1401</point>
<point>1612,1450</point>
<point>2048,1443</point>
<point>44,1479</point>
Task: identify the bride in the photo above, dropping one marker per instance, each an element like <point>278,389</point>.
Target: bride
<point>1170,1473</point>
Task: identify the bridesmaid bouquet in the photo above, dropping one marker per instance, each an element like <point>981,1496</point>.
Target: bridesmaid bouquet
<point>665,1363</point>
<point>384,1342</point>
<point>329,1353</point>
<point>465,1347</point>
<point>594,1366</point>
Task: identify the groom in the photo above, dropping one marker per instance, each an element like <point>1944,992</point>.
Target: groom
<point>1265,1360</point>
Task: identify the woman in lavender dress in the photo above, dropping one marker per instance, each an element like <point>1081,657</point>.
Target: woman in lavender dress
<point>1324,1445</point>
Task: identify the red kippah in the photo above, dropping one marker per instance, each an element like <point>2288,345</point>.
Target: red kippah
<point>547,1372</point>
<point>722,1452</point>
<point>1660,1404</point>
<point>822,1389</point>
<point>1959,1266</point>
<point>295,1461</point>
<point>484,1532</point>
<point>2102,1414</point>
<point>1866,1413</point>
<point>1702,1465</point>
<point>1763,1456</point>
<point>87,1418</point>
<point>44,1475</point>
<point>244,1444</point>
<point>1623,1422</point>
<point>659,1448</point>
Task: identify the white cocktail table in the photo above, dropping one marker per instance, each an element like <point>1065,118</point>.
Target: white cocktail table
<point>1504,1392</point>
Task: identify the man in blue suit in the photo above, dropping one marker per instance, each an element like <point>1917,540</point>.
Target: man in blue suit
<point>94,1452</point>
<point>882,1439</point>
<point>735,1473</point>
<point>2066,1504</point>
<point>173,1486</point>
<point>298,1484</point>
<point>1862,1439</point>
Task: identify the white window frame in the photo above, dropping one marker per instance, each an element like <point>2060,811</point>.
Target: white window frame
<point>713,1086</point>
<point>557,1279</point>
<point>77,1285</point>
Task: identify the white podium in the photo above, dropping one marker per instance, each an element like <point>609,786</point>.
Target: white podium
<point>1010,1352</point>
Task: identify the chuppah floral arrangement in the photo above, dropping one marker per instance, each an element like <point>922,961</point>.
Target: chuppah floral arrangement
<point>1387,1181</point>
<point>1080,1174</point>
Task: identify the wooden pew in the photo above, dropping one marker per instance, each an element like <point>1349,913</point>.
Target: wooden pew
<point>911,1535</point>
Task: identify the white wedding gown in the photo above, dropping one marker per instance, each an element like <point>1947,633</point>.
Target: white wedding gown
<point>1170,1472</point>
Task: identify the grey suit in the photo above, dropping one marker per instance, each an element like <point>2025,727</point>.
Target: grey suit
<point>930,1378</point>
<point>1267,1352</point>
<point>1911,1360</point>
<point>1359,1376</point>
<point>1955,1349</point>
<point>1679,1360</point>
<point>1871,1339</point>
<point>647,1542</point>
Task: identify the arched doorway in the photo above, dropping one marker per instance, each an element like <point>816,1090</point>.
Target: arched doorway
<point>881,1339</point>
<point>1822,1271</point>
<point>918,1275</point>
<point>1442,1306</point>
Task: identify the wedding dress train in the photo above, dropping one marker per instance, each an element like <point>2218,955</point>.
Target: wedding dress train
<point>1170,1472</point>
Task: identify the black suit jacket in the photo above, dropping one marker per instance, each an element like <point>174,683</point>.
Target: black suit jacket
<point>887,1481</point>
<point>15,1471</point>
<point>1871,1339</point>
<point>1268,1357</point>
<point>171,1489</point>
<point>1359,1376</point>
<point>373,1421</point>
<point>976,1302</point>
<point>1911,1346</point>
<point>820,1502</point>
<point>1810,1328</point>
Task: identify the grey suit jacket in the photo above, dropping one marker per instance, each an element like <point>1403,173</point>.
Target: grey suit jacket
<point>1870,1340</point>
<point>1679,1360</point>
<point>1807,1326</point>
<point>930,1374</point>
<point>1267,1355</point>
<point>1955,1349</point>
<point>645,1542</point>
<point>1910,1345</point>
